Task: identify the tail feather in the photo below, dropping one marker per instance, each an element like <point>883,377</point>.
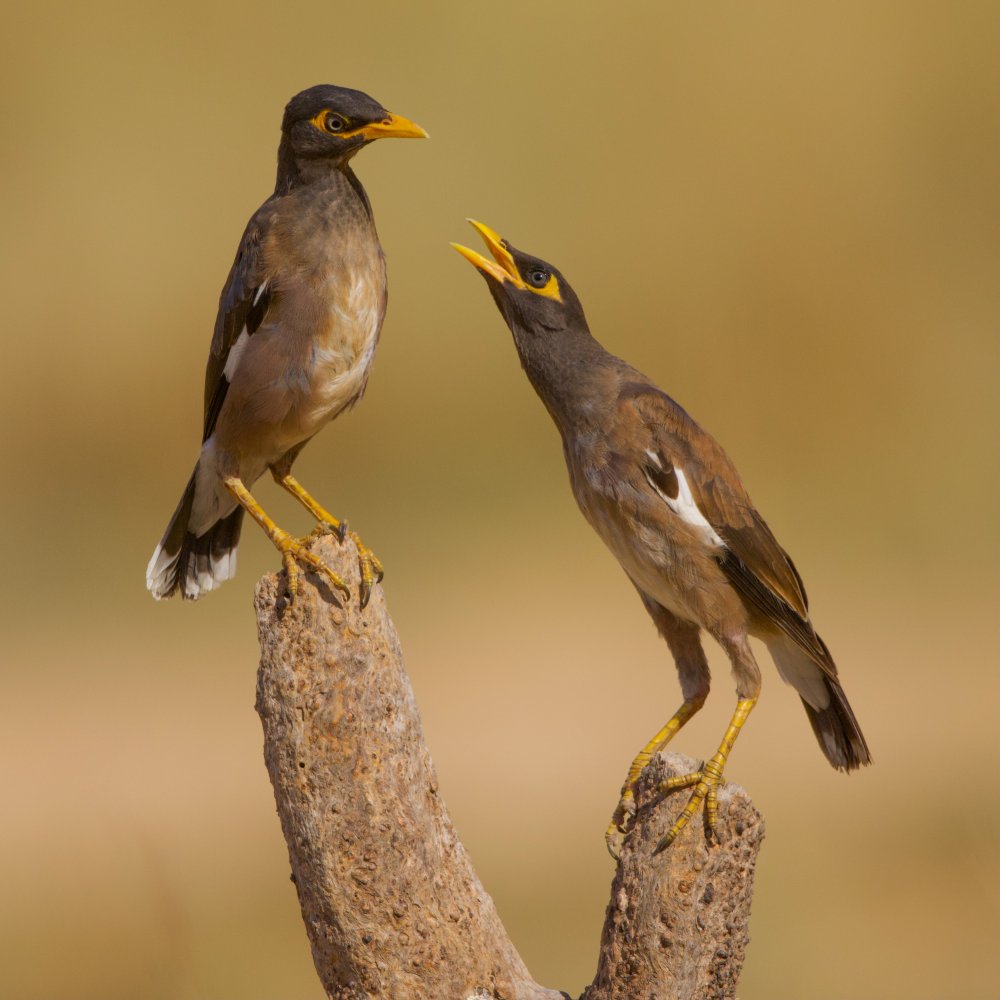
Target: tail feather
<point>830,715</point>
<point>193,564</point>
<point>837,731</point>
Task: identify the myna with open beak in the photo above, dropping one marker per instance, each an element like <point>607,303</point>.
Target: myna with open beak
<point>299,319</point>
<point>664,497</point>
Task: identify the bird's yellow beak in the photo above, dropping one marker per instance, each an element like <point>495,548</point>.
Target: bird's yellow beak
<point>393,127</point>
<point>502,268</point>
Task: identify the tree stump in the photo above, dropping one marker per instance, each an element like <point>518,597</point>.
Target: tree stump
<point>391,903</point>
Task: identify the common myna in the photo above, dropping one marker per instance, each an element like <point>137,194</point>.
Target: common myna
<point>670,505</point>
<point>298,323</point>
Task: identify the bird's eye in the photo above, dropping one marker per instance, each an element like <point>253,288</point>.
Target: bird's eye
<point>334,123</point>
<point>538,278</point>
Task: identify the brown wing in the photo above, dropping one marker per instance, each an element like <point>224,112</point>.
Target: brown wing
<point>243,304</point>
<point>756,565</point>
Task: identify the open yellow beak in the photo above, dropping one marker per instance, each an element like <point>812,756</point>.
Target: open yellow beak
<point>502,268</point>
<point>393,127</point>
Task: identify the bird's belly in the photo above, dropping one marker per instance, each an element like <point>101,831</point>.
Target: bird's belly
<point>336,380</point>
<point>308,361</point>
<point>665,572</point>
<point>334,369</point>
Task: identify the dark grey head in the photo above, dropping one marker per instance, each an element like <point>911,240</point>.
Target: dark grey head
<point>327,125</point>
<point>531,294</point>
<point>544,314</point>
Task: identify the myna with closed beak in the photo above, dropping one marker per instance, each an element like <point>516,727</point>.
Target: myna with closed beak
<point>299,319</point>
<point>667,501</point>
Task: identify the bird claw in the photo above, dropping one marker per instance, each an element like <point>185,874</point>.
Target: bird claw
<point>372,570</point>
<point>706,781</point>
<point>621,823</point>
<point>614,840</point>
<point>369,564</point>
<point>336,528</point>
<point>293,551</point>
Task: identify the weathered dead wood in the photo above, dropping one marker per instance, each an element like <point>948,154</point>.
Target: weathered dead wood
<point>391,903</point>
<point>677,922</point>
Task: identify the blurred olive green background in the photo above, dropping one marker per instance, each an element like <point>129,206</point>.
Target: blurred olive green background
<point>785,213</point>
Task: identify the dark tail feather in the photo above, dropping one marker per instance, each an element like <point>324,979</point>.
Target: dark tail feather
<point>192,564</point>
<point>838,731</point>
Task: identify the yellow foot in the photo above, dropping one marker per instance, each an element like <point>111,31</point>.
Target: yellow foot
<point>624,815</point>
<point>293,550</point>
<point>621,822</point>
<point>370,565</point>
<point>706,783</point>
<point>706,779</point>
<point>372,570</point>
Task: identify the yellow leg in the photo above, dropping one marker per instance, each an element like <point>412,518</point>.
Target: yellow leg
<point>706,781</point>
<point>619,821</point>
<point>291,549</point>
<point>371,567</point>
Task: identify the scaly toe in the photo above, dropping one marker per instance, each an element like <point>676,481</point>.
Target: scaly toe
<point>371,569</point>
<point>291,576</point>
<point>624,816</point>
<point>706,781</point>
<point>367,582</point>
<point>622,821</point>
<point>614,839</point>
<point>321,567</point>
<point>293,550</point>
<point>336,528</point>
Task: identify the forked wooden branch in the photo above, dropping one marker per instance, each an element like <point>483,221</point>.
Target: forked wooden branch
<point>390,900</point>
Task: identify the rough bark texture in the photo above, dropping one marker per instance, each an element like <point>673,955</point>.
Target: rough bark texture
<point>676,925</point>
<point>391,903</point>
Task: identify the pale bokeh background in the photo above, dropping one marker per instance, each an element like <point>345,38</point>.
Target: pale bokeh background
<point>784,213</point>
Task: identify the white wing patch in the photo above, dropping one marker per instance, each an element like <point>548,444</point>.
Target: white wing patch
<point>235,353</point>
<point>684,505</point>
<point>687,510</point>
<point>240,344</point>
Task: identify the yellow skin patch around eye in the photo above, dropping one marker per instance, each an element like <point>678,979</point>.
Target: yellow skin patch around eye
<point>319,121</point>
<point>391,127</point>
<point>551,289</point>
